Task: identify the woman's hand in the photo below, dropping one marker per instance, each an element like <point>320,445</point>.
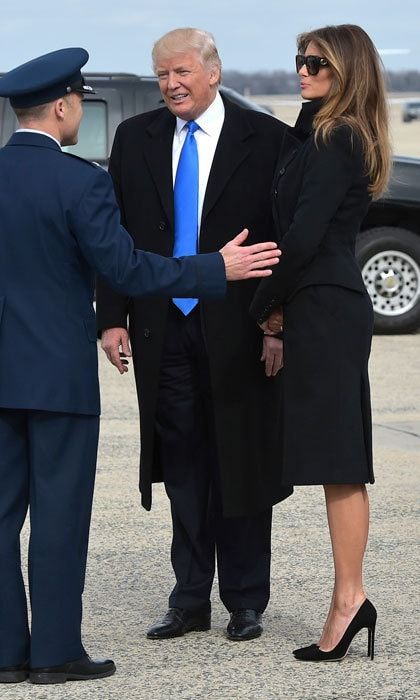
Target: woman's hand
<point>272,355</point>
<point>274,323</point>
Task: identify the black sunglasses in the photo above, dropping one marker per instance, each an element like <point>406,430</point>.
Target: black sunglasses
<point>313,63</point>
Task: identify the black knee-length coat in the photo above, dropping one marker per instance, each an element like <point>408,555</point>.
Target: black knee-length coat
<point>320,197</point>
<point>246,403</point>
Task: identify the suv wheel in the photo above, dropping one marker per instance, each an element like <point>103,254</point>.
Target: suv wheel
<point>390,262</point>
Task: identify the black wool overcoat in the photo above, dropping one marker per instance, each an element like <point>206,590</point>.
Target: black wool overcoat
<point>321,196</point>
<point>246,403</point>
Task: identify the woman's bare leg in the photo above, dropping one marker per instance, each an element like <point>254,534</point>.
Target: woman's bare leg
<point>348,520</point>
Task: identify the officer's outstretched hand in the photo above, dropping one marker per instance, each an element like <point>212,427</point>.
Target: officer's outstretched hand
<point>245,262</point>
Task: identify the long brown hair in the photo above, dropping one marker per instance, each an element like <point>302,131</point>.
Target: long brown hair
<point>357,96</point>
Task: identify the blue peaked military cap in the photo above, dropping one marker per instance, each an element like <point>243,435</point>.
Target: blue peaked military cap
<point>46,78</point>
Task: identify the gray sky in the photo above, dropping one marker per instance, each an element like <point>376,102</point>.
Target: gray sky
<point>250,34</point>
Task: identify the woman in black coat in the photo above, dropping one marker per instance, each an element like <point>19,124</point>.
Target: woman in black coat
<point>335,159</point>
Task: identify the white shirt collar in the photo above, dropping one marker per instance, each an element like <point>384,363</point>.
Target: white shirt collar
<point>210,120</point>
<point>44,133</point>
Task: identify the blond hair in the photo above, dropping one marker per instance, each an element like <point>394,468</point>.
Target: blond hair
<point>187,39</point>
<point>357,96</point>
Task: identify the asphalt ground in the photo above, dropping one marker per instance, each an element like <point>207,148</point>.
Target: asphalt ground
<point>129,574</point>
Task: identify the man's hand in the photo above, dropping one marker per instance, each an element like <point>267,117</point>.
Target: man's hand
<point>245,262</point>
<point>272,355</point>
<point>112,340</point>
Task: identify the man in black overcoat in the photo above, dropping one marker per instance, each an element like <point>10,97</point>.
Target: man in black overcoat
<point>209,407</point>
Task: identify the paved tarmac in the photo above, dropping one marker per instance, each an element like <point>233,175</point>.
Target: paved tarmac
<point>129,574</point>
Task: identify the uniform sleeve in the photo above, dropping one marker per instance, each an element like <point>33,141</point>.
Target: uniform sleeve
<point>329,173</point>
<point>109,249</point>
<point>112,307</point>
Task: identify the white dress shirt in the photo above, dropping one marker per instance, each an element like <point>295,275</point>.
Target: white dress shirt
<point>207,136</point>
<point>44,133</point>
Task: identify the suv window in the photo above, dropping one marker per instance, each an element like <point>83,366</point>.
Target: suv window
<point>148,97</point>
<point>8,121</point>
<point>93,140</point>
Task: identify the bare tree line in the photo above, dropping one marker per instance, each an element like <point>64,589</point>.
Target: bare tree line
<point>286,83</point>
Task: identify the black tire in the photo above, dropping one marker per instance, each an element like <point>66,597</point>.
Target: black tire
<point>389,258</point>
<point>406,118</point>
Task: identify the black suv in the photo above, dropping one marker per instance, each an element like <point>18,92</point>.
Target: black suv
<point>388,247</point>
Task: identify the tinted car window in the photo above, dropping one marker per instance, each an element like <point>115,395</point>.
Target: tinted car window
<point>8,121</point>
<point>93,141</point>
<point>150,95</point>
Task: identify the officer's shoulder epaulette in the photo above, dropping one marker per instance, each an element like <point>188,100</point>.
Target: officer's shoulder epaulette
<point>83,160</point>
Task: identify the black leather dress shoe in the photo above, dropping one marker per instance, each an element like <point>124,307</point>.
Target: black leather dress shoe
<point>244,624</point>
<point>83,669</point>
<point>178,621</point>
<point>14,674</point>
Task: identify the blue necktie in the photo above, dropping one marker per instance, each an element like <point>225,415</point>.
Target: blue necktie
<point>186,206</point>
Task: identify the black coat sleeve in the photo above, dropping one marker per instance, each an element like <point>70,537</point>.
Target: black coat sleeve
<point>329,172</point>
<point>111,306</point>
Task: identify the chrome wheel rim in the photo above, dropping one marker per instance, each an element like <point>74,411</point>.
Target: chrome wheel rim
<point>392,279</point>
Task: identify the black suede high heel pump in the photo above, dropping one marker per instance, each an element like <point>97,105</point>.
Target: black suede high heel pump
<point>365,617</point>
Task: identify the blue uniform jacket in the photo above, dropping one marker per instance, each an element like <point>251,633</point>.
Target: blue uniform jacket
<point>59,223</point>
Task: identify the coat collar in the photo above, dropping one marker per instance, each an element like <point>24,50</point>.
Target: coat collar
<point>304,122</point>
<point>158,154</point>
<point>32,138</point>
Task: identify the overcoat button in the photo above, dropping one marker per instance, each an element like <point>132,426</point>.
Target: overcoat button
<point>162,226</point>
<point>146,332</point>
<point>282,171</point>
<point>276,193</point>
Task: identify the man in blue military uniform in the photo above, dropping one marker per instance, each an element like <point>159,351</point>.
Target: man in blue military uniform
<point>59,223</point>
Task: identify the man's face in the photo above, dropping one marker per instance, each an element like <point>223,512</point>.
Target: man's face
<point>73,117</point>
<point>187,86</point>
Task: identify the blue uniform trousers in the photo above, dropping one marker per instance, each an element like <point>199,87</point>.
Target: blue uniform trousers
<point>47,463</point>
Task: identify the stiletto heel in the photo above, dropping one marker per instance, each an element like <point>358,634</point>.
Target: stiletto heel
<point>365,617</point>
<point>371,642</point>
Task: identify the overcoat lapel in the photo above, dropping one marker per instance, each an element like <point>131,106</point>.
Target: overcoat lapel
<point>158,154</point>
<point>234,145</point>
